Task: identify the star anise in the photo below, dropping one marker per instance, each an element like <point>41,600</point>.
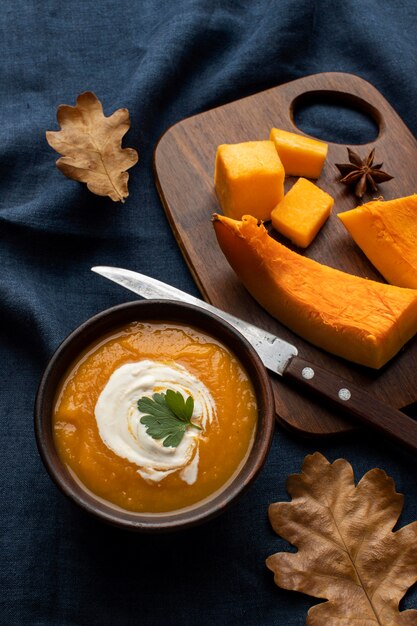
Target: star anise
<point>362,173</point>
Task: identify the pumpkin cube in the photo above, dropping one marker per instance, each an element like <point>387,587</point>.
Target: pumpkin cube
<point>302,212</point>
<point>300,155</point>
<point>249,179</point>
<point>386,231</point>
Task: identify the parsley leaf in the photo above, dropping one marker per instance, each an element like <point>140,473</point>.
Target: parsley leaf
<point>167,416</point>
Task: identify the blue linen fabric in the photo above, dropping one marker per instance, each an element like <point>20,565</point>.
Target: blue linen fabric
<point>164,61</point>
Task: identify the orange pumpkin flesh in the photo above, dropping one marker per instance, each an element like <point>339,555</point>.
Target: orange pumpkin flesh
<point>358,319</point>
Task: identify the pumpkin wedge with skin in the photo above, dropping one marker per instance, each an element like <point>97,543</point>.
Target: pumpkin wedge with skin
<point>361,320</point>
<point>386,231</point>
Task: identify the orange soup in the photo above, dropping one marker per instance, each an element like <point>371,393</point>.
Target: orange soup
<point>103,436</point>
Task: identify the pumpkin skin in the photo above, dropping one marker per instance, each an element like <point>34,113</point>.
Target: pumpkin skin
<point>361,320</point>
<point>386,231</point>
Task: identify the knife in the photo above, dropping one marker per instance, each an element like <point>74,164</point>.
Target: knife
<point>281,357</point>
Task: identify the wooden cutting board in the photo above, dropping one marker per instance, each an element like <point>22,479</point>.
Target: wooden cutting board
<point>184,167</point>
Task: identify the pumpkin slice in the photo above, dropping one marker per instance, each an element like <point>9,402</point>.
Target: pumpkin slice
<point>358,319</point>
<point>386,231</point>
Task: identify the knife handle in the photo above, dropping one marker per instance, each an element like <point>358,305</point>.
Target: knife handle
<point>354,401</point>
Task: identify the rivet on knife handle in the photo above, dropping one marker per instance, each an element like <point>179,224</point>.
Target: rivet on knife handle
<point>354,401</point>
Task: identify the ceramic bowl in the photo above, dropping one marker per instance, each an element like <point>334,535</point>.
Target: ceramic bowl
<point>103,324</point>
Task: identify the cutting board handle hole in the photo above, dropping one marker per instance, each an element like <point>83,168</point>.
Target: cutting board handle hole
<point>336,117</point>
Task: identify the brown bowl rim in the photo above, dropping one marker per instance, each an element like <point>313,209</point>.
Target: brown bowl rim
<point>107,321</point>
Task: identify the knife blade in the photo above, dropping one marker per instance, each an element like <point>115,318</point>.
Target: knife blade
<point>281,357</point>
<point>275,352</point>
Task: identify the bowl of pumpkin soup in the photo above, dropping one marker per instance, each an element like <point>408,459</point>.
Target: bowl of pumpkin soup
<point>154,415</point>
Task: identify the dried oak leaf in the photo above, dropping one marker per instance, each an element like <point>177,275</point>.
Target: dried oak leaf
<point>347,552</point>
<point>90,144</point>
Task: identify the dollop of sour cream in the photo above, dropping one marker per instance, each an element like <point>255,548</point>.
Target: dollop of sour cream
<point>118,418</point>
